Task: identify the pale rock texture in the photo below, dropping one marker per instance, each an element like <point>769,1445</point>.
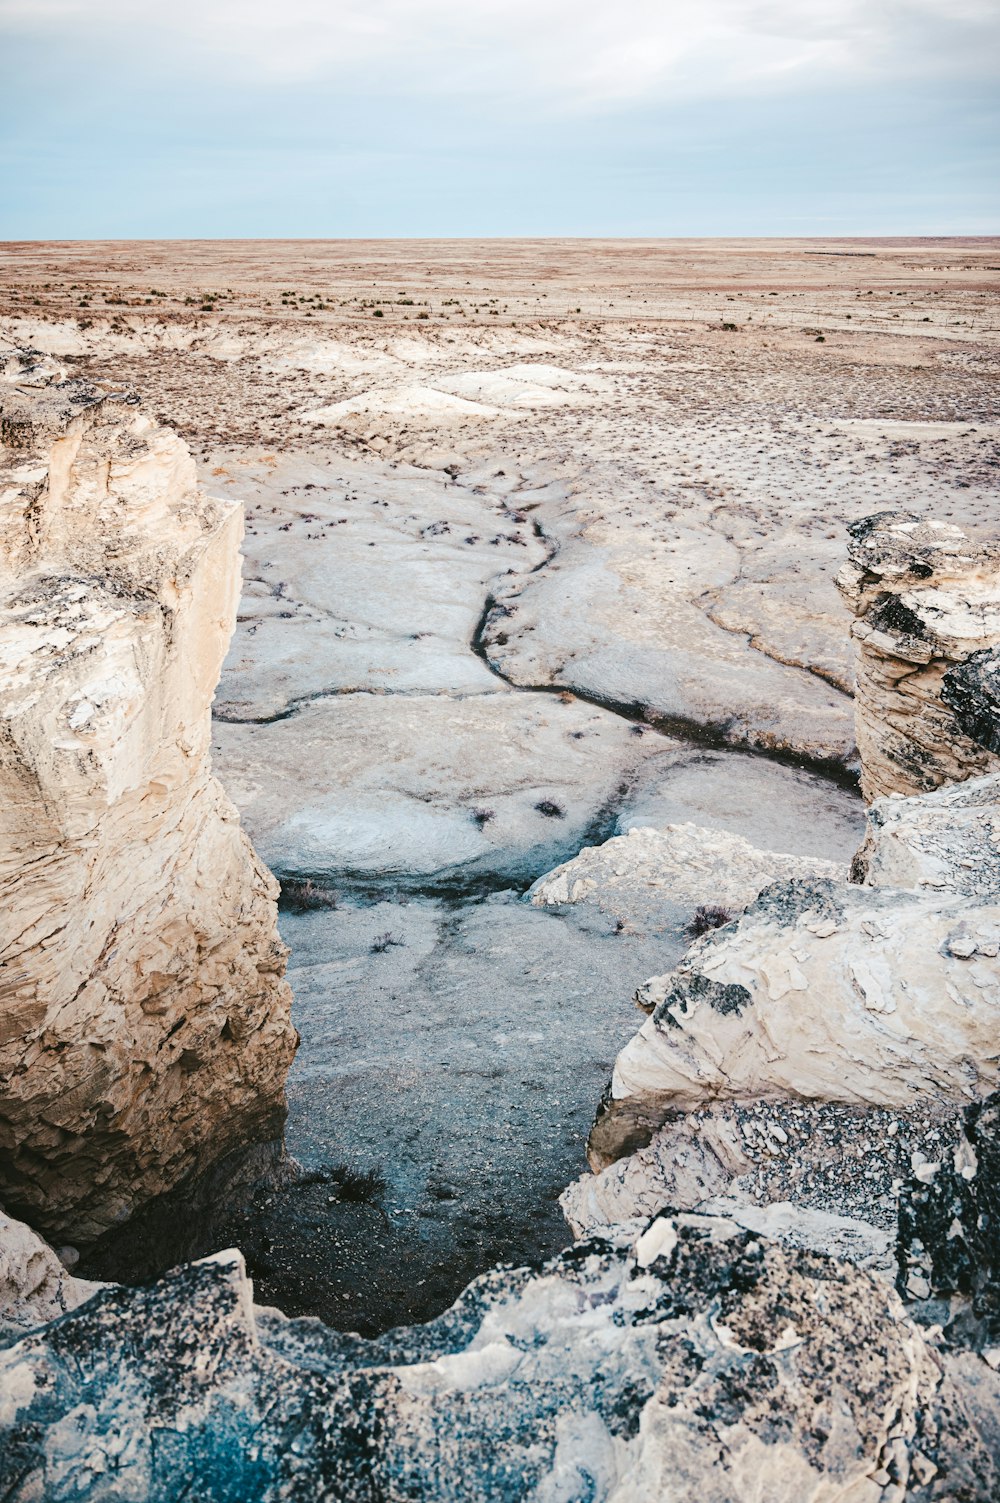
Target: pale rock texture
<point>144,1026</point>
<point>35,1284</point>
<point>925,597</point>
<point>647,874</point>
<point>696,1362</point>
<point>873,995</point>
<point>946,841</point>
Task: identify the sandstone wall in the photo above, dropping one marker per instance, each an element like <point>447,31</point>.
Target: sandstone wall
<point>144,1018</point>
<point>926,598</point>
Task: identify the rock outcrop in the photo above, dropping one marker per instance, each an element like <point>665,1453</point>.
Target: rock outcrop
<point>650,876</point>
<point>926,598</point>
<point>697,1362</point>
<point>144,1026</point>
<point>832,992</point>
<point>972,690</point>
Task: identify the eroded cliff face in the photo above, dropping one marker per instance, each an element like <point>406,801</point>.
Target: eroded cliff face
<point>926,598</point>
<point>144,1022</point>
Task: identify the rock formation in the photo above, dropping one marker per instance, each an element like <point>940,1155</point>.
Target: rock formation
<point>972,690</point>
<point>646,874</point>
<point>144,1028</point>
<point>926,598</point>
<point>831,992</point>
<point>695,1362</point>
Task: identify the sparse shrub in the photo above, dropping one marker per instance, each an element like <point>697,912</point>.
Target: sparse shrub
<point>361,1187</point>
<point>709,916</point>
<point>385,941</point>
<point>303,895</point>
<point>729,328</point>
<point>550,809</point>
<point>483,816</point>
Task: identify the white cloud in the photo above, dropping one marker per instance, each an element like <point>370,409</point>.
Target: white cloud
<point>582,52</point>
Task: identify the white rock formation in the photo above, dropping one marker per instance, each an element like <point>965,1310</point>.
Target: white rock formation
<point>35,1286</point>
<point>831,992</point>
<point>144,1028</point>
<point>926,597</point>
<point>648,873</point>
<point>947,841</point>
<point>695,1362</point>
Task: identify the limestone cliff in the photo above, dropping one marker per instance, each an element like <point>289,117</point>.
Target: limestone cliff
<point>926,598</point>
<point>144,1018</point>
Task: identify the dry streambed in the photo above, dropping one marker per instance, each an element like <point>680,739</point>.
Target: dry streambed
<point>455,1036</point>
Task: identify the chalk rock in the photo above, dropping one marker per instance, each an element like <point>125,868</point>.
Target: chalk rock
<point>824,1176</point>
<point>144,1028</point>
<point>925,597</point>
<point>696,1362</point>
<point>35,1285</point>
<point>651,875</point>
<point>823,992</point>
<point>946,841</point>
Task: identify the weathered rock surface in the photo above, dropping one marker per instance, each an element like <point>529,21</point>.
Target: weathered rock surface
<point>946,841</point>
<point>925,597</point>
<point>35,1284</point>
<point>972,690</point>
<point>424,788</point>
<point>698,1363</point>
<point>949,1230</point>
<point>145,1024</point>
<point>657,876</point>
<point>823,991</point>
<point>826,1176</point>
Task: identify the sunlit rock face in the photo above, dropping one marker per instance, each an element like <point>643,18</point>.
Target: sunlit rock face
<point>827,991</point>
<point>696,1362</point>
<point>144,1022</point>
<point>926,598</point>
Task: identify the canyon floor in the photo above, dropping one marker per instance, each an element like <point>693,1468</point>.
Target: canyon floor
<point>541,545</point>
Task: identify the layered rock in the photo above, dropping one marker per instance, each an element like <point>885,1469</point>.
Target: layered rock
<point>144,1027</point>
<point>695,1362</point>
<point>831,992</point>
<point>926,598</point>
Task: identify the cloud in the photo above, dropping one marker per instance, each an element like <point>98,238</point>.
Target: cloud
<point>568,53</point>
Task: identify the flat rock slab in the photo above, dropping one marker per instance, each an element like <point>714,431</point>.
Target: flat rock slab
<point>362,576</point>
<point>394,788</point>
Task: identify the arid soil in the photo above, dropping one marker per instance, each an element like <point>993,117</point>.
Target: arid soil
<point>541,542</point>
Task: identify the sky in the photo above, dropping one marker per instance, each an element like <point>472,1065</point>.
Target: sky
<point>344,118</point>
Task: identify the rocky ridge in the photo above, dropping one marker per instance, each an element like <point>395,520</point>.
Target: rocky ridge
<point>146,1028</point>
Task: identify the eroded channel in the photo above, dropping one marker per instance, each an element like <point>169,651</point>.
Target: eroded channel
<point>455,1037</point>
